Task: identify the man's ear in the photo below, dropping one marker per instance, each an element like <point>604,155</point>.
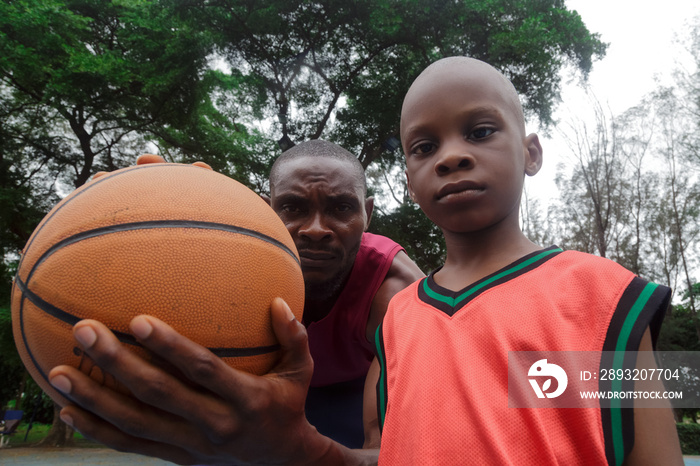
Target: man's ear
<point>533,155</point>
<point>411,194</point>
<point>267,199</point>
<point>369,208</point>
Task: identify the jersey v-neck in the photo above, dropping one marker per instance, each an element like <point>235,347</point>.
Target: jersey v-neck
<point>450,301</point>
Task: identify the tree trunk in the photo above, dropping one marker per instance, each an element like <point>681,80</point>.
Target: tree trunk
<point>60,434</point>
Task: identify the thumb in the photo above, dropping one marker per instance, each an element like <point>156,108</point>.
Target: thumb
<point>291,334</point>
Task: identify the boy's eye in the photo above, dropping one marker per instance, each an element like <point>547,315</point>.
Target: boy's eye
<point>480,133</point>
<point>424,148</point>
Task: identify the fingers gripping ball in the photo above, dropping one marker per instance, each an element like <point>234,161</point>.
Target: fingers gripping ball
<point>180,242</point>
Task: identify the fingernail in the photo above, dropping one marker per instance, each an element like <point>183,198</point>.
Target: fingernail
<point>62,384</point>
<point>141,327</point>
<point>86,336</point>
<point>290,315</point>
<point>67,419</point>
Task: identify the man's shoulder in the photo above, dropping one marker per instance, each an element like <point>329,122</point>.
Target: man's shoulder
<point>389,260</point>
<point>379,242</point>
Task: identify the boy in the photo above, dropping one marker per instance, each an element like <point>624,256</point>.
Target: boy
<point>445,339</point>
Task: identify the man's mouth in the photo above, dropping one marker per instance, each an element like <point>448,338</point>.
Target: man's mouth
<point>315,258</point>
<point>462,187</point>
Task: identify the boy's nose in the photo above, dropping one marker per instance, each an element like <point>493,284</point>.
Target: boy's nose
<point>454,159</point>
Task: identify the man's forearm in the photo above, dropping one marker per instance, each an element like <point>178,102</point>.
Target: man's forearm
<point>322,451</point>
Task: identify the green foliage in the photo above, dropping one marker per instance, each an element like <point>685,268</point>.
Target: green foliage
<point>310,56</point>
<point>105,76</point>
<point>37,403</point>
<point>689,435</point>
<point>421,238</point>
<point>87,85</point>
<point>11,367</point>
<point>678,332</point>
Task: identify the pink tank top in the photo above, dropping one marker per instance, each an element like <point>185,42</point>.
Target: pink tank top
<point>338,344</point>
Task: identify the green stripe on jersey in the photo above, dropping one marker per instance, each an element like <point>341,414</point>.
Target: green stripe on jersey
<point>381,383</point>
<point>454,302</point>
<point>620,348</point>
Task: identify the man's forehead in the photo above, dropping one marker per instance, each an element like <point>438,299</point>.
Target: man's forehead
<point>303,174</point>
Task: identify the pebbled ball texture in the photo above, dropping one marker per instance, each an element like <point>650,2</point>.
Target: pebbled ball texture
<point>182,243</point>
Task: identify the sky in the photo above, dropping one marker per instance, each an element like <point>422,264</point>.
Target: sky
<point>642,37</point>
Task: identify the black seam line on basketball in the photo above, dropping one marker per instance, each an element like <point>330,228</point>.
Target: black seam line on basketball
<point>71,320</point>
<point>154,224</point>
<point>97,183</point>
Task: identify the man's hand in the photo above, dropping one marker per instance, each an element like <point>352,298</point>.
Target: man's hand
<point>210,413</point>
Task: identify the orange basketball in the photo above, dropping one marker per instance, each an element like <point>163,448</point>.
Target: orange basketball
<point>182,243</point>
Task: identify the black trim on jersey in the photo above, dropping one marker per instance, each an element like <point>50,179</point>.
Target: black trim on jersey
<point>642,305</point>
<point>450,302</point>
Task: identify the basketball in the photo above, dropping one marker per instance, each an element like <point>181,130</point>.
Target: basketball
<point>183,243</point>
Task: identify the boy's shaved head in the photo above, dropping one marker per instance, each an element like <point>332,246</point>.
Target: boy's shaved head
<point>467,155</point>
<point>462,68</point>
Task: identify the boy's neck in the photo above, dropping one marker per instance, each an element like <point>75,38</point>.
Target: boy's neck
<point>473,256</point>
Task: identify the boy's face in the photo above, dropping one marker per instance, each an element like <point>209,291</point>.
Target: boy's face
<point>465,145</point>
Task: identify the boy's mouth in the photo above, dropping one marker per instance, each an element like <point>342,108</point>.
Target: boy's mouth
<point>459,187</point>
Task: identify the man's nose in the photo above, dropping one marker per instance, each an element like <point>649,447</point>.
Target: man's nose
<point>315,228</point>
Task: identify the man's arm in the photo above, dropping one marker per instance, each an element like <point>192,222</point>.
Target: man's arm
<point>370,415</point>
<point>655,436</point>
<point>402,272</point>
<point>210,413</point>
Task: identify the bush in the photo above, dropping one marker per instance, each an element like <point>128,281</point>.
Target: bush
<point>689,435</point>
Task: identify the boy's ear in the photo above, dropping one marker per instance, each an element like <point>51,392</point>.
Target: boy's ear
<point>533,156</point>
<point>369,208</point>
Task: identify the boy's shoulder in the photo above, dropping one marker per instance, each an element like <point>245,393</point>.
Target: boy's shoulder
<point>584,260</point>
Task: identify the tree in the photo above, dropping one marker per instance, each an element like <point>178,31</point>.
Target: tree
<point>682,192</point>
<point>420,237</point>
<point>594,208</point>
<point>101,78</point>
<point>339,69</point>
<point>679,333</point>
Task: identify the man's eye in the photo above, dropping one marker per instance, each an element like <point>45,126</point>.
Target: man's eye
<point>481,133</point>
<point>343,207</point>
<point>425,148</point>
<point>290,208</point>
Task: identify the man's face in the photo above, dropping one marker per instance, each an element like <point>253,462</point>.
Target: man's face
<point>466,154</point>
<point>322,204</point>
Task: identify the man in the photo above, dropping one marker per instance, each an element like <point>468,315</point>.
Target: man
<point>318,190</point>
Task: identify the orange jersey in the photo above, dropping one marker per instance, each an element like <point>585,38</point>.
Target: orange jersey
<point>442,393</point>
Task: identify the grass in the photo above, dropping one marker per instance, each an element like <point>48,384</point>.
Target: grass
<point>39,431</point>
